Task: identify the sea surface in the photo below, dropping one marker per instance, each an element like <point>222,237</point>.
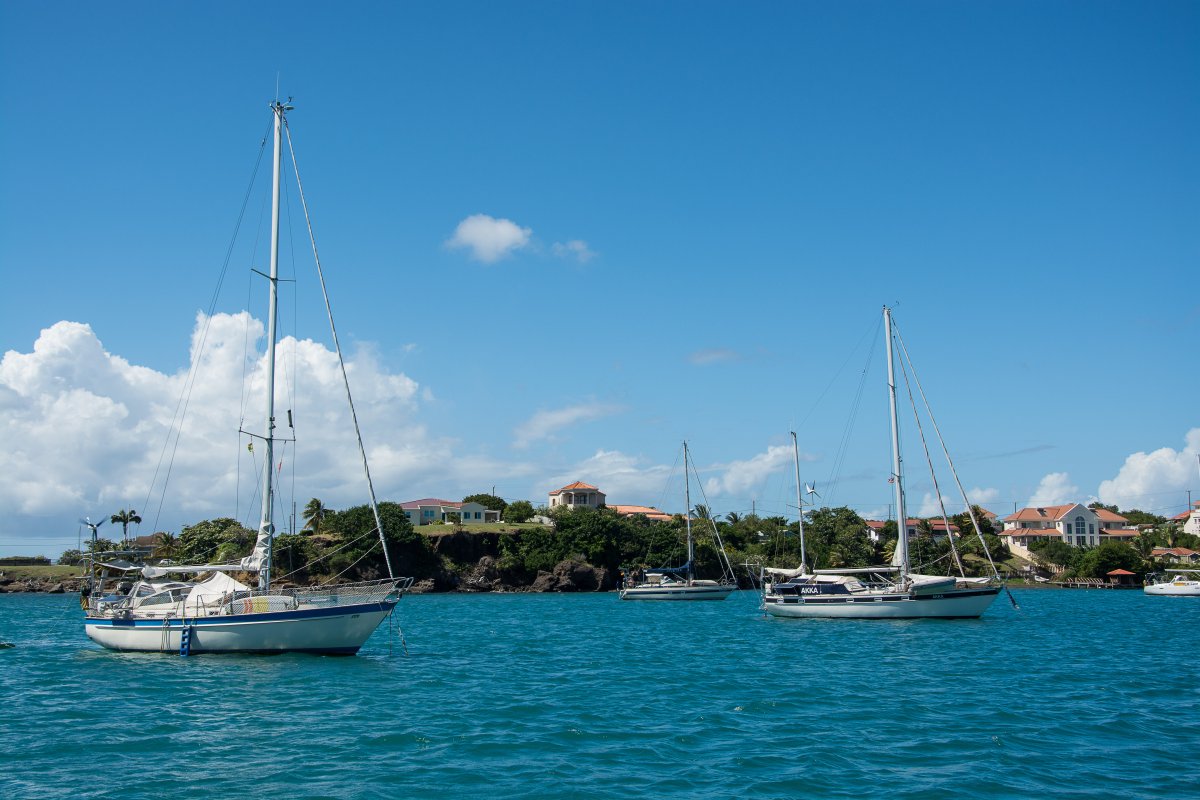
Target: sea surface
<point>1076,694</point>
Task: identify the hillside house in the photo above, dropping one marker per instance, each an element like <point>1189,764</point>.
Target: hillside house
<point>1072,523</point>
<point>577,495</point>
<point>431,511</point>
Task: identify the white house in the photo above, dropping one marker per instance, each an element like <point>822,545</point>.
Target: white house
<point>577,495</point>
<point>1190,519</point>
<point>432,510</point>
<point>1073,523</point>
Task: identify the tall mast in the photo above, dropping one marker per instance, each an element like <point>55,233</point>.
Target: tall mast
<point>799,496</point>
<point>266,529</point>
<point>900,559</point>
<point>687,517</point>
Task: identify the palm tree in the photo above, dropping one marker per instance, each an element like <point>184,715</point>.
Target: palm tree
<point>125,518</point>
<point>733,518</point>
<point>167,544</point>
<point>701,512</point>
<point>314,514</point>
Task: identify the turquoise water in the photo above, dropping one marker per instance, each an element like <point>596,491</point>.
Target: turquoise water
<point>1078,694</point>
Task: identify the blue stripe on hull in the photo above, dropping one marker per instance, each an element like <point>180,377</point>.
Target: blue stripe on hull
<point>272,616</point>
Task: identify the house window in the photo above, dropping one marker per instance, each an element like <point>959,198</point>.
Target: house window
<point>1091,529</point>
<point>427,513</point>
<point>1068,529</point>
<point>1080,541</point>
<point>1079,524</point>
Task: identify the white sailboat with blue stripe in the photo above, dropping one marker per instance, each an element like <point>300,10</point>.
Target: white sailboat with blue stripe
<point>204,608</point>
<point>681,583</point>
<point>891,591</point>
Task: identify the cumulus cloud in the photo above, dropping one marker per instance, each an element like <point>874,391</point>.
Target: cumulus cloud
<point>714,355</point>
<point>545,424</point>
<point>1144,474</point>
<point>954,505</point>
<point>575,248</point>
<point>740,477</point>
<point>84,430</point>
<point>624,479</point>
<point>1054,490</point>
<point>489,239</point>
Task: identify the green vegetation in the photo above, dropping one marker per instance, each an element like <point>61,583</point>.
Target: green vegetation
<point>56,572</point>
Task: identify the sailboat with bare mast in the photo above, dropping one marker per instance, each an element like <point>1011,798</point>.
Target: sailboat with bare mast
<point>681,583</point>
<point>168,609</point>
<point>891,591</point>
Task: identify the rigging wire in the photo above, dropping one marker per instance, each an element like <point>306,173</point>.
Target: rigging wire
<point>904,370</point>
<point>839,459</point>
<point>950,462</point>
<point>341,362</point>
<point>176,429</point>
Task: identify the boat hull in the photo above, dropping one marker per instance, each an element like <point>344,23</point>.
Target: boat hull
<point>1188,589</point>
<point>339,630</point>
<point>960,604</point>
<point>715,591</point>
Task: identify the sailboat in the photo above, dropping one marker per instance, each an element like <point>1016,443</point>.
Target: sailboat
<point>681,583</point>
<point>204,608</point>
<point>1177,582</point>
<point>892,591</point>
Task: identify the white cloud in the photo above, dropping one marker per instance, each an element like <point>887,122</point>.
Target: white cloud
<point>575,248</point>
<point>545,424</point>
<point>83,431</point>
<point>1055,489</point>
<point>1146,474</point>
<point>489,239</point>
<point>714,355</point>
<point>954,504</point>
<point>624,479</point>
<point>740,477</point>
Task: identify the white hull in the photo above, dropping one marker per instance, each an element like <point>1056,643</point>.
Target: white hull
<point>965,604</point>
<point>335,631</point>
<point>1175,589</point>
<point>697,591</point>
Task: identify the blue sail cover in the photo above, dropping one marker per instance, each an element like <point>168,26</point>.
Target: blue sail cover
<point>684,570</point>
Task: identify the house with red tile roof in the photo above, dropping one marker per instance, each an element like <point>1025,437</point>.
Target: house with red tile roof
<point>650,512</point>
<point>1190,519</point>
<point>1071,523</point>
<point>938,527</point>
<point>577,495</point>
<point>1176,555</point>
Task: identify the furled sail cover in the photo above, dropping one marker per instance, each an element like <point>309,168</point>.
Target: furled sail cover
<point>210,593</point>
<point>262,547</point>
<point>786,573</point>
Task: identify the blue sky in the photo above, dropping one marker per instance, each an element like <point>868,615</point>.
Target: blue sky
<point>673,220</point>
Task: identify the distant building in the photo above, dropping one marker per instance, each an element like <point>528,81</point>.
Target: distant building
<point>649,512</point>
<point>431,510</point>
<point>1190,519</point>
<point>577,495</point>
<point>1072,523</point>
<point>1176,555</point>
<point>938,527</point>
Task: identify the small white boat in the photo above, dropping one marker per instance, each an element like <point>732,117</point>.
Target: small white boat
<point>681,583</point>
<point>157,612</point>
<point>1176,582</point>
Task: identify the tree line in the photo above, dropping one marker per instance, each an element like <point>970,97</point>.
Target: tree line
<point>345,545</point>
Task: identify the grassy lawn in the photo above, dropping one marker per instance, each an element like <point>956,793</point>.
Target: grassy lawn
<point>55,572</point>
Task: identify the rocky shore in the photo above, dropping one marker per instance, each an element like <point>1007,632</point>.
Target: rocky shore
<point>483,576</point>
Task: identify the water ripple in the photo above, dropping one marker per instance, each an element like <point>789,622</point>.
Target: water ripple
<point>1076,695</point>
